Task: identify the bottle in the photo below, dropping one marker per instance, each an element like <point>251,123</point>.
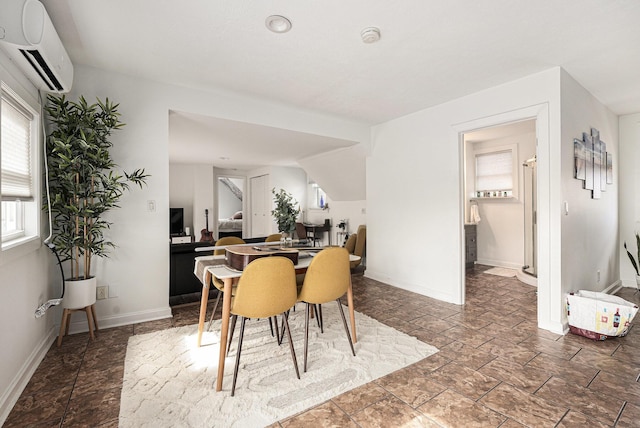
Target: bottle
<point>616,318</point>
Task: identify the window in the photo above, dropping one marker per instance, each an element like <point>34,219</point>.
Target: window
<point>495,173</point>
<point>318,198</point>
<point>18,138</point>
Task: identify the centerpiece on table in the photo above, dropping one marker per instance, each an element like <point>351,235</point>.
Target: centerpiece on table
<point>285,213</point>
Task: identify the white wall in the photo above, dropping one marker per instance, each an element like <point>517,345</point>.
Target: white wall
<point>27,279</point>
<point>501,230</point>
<point>139,268</point>
<point>627,172</point>
<point>424,148</point>
<point>181,189</point>
<point>427,217</point>
<point>590,230</point>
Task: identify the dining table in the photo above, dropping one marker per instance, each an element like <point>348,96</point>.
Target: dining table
<point>207,267</point>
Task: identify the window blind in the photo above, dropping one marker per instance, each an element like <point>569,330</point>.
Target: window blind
<point>15,135</point>
<point>494,171</point>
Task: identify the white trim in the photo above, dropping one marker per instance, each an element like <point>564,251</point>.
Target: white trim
<point>21,379</point>
<point>550,305</point>
<point>80,325</point>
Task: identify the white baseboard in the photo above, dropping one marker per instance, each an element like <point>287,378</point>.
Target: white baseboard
<point>80,325</point>
<point>20,381</point>
<point>499,263</point>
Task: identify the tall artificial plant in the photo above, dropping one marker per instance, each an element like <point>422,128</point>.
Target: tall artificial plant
<point>84,182</point>
<point>633,260</point>
<point>286,210</point>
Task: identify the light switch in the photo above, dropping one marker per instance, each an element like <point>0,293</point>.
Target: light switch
<point>151,206</point>
<point>566,208</point>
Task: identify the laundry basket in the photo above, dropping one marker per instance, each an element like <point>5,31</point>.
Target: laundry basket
<point>599,316</point>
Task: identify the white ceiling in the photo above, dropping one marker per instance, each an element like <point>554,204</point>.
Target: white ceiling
<point>431,51</point>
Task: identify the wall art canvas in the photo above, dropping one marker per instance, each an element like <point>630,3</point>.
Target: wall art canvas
<point>592,164</point>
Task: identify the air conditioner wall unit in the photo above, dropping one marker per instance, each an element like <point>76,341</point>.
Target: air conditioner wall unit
<point>27,35</point>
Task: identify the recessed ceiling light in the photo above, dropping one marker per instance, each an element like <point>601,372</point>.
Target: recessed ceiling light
<point>278,24</point>
<point>370,34</point>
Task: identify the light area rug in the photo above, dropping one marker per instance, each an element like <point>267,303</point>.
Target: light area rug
<point>169,382</point>
<point>500,271</point>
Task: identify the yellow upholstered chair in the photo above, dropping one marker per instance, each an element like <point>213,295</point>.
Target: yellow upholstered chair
<point>327,278</point>
<point>275,237</point>
<point>266,288</point>
<point>356,244</point>
<point>227,240</point>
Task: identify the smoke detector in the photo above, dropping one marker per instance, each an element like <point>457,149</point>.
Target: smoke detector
<point>370,34</point>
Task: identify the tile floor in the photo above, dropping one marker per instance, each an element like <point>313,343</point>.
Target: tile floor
<point>494,369</point>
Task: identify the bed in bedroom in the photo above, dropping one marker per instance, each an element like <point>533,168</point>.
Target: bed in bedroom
<point>230,226</point>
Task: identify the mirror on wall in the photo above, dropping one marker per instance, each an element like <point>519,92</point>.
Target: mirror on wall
<point>231,221</point>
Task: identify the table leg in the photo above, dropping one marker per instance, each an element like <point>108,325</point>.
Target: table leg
<point>352,314</point>
<point>224,329</point>
<point>203,306</point>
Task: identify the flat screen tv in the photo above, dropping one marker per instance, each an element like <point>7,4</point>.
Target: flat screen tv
<point>176,221</point>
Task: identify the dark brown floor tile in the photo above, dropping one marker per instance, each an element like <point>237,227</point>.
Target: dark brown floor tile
<point>512,351</point>
<point>510,423</point>
<point>507,333</point>
<point>93,408</point>
<point>468,336</point>
<point>357,399</point>
<point>550,347</point>
<point>630,416</point>
<point>607,347</point>
<point>39,407</point>
<point>526,378</point>
<point>431,337</point>
<point>463,380</point>
<point>524,408</point>
<point>431,363</point>
<point>151,326</point>
<point>577,420</point>
<point>409,386</point>
<point>432,323</point>
<point>391,412</point>
<point>613,386</point>
<point>100,358</point>
<point>56,371</point>
<point>607,363</point>
<point>602,408</point>
<point>466,355</point>
<point>450,409</point>
<point>324,415</point>
<point>570,371</point>
<point>98,380</point>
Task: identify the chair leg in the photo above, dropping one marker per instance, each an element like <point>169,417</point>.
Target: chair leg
<point>293,351</point>
<point>320,318</point>
<point>235,369</point>
<point>281,332</point>
<point>271,326</point>
<point>306,335</point>
<point>232,328</point>
<point>317,314</point>
<point>275,326</point>
<point>215,306</point>
<point>346,329</point>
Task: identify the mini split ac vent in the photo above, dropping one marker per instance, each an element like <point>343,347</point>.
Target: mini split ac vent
<point>27,35</point>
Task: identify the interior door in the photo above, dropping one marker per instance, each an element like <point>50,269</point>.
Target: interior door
<point>260,206</point>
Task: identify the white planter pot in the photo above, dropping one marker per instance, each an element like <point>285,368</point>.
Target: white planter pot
<point>79,293</point>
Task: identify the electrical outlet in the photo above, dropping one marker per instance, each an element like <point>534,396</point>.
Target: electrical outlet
<point>598,276</point>
<point>102,292</point>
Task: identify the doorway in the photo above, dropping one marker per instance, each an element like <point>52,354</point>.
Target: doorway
<point>499,195</point>
<point>230,204</point>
